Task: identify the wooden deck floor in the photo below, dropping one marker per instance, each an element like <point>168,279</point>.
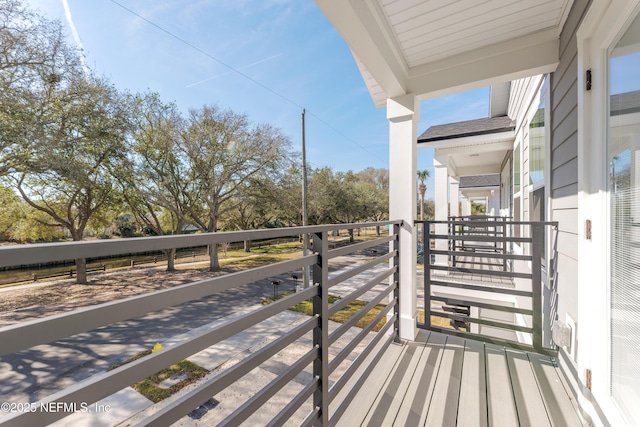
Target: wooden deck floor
<point>488,265</point>
<point>441,380</point>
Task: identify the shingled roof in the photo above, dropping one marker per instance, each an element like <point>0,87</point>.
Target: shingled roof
<point>485,126</point>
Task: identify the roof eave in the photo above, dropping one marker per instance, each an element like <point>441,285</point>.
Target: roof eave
<point>459,141</point>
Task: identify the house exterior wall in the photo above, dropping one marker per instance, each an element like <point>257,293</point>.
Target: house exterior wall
<point>563,190</point>
<point>561,178</point>
<point>520,97</point>
<point>523,103</point>
<point>564,171</point>
<point>599,326</point>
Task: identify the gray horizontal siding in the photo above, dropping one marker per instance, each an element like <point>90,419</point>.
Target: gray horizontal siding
<point>564,104</point>
<point>565,198</point>
<point>568,36</point>
<point>566,173</point>
<point>565,83</point>
<point>563,153</point>
<point>566,220</point>
<point>519,90</point>
<point>564,161</point>
<point>567,286</point>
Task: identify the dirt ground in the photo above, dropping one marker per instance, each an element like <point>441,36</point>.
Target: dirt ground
<point>46,299</point>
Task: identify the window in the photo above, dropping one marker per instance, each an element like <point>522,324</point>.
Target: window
<point>537,147</point>
<point>623,156</point>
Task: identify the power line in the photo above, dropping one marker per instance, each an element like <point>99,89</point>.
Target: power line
<point>237,71</point>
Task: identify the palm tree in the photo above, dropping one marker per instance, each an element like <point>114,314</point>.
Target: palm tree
<point>422,176</point>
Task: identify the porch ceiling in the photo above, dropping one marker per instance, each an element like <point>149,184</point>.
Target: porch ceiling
<point>475,155</point>
<point>434,47</point>
<point>478,164</point>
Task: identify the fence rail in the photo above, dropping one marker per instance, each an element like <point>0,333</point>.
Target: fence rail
<point>490,284</point>
<point>316,392</point>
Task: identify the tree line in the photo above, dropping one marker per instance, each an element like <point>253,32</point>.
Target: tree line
<point>79,156</point>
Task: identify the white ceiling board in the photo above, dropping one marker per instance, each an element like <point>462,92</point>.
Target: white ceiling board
<point>403,43</point>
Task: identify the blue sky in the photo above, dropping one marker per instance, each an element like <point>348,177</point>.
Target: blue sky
<point>287,46</point>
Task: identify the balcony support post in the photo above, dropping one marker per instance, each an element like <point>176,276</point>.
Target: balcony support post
<point>441,188</point>
<point>396,279</point>
<point>321,332</point>
<point>466,206</point>
<point>427,273</point>
<point>454,205</point>
<point>403,113</point>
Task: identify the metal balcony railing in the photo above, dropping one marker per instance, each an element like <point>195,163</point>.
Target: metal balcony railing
<point>489,284</point>
<point>318,393</point>
<point>480,225</point>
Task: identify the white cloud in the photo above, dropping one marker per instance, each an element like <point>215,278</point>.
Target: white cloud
<point>76,36</point>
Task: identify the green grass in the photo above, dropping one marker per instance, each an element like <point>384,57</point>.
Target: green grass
<point>267,249</point>
<point>253,261</point>
<point>149,387</point>
<point>442,322</point>
<point>341,316</point>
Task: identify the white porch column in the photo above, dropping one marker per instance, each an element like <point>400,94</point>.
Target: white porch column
<point>494,203</point>
<point>466,206</point>
<point>440,189</point>
<point>454,183</point>
<point>403,113</point>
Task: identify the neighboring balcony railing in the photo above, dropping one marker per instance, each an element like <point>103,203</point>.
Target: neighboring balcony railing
<point>480,225</point>
<point>483,281</point>
<point>324,385</point>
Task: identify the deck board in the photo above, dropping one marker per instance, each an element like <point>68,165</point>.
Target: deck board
<point>501,406</point>
<point>414,409</point>
<point>530,405</point>
<point>472,405</point>
<point>364,401</point>
<point>443,409</point>
<point>443,380</point>
<point>389,402</point>
<point>560,410</point>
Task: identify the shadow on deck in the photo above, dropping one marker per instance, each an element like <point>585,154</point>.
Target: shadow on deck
<point>441,380</point>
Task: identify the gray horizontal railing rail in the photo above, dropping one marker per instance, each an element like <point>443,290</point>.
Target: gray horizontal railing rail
<point>476,271</point>
<point>42,252</point>
<point>316,393</point>
<point>40,331</point>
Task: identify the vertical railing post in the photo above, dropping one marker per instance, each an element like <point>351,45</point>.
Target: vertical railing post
<point>552,274</point>
<point>503,229</point>
<point>396,278</point>
<point>321,332</point>
<point>537,246</point>
<point>452,240</point>
<point>426,229</point>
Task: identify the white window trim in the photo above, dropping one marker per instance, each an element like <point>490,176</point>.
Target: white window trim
<point>547,165</point>
<point>543,84</point>
<point>517,246</point>
<point>602,24</point>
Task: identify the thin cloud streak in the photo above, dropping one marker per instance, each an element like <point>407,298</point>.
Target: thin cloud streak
<point>76,36</point>
<point>229,72</point>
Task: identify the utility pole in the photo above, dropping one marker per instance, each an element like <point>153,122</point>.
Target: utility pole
<point>305,218</point>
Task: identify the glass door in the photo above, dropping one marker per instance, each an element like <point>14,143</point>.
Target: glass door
<point>624,217</point>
